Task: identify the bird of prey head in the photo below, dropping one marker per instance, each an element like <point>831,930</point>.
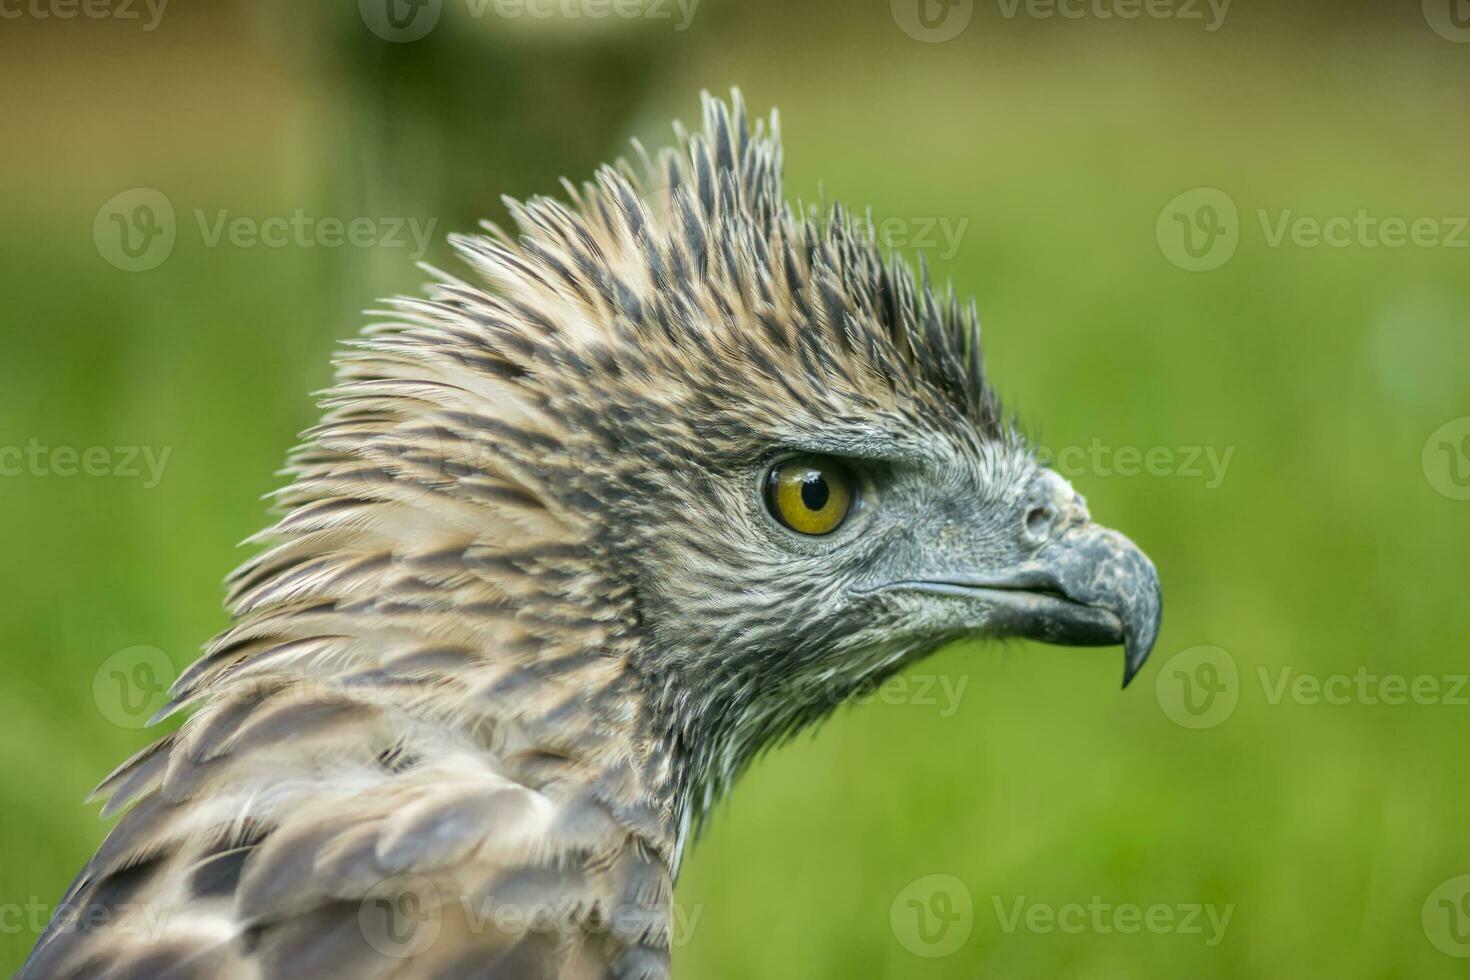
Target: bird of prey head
<point>573,542</point>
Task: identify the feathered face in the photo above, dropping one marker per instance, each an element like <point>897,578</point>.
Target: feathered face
<point>735,440</point>
<point>788,552</point>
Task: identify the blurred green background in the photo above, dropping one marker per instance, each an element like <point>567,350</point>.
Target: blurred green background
<point>1040,161</point>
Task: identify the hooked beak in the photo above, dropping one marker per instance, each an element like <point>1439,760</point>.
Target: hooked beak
<point>1088,586</point>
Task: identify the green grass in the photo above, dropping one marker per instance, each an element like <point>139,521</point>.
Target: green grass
<point>1324,549</point>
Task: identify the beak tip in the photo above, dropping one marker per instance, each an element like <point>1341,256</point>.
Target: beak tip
<point>1129,672</point>
<point>1139,644</point>
<point>1132,664</point>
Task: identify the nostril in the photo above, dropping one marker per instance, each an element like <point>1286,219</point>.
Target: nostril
<point>1039,521</point>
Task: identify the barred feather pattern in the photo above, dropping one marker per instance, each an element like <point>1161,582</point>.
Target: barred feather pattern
<point>479,684</point>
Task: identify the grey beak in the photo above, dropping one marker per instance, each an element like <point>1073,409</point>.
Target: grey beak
<point>1087,586</point>
<point>1103,570</point>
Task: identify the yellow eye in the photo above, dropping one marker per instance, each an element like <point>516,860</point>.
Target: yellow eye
<point>810,495</point>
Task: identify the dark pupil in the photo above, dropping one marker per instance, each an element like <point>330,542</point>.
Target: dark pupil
<point>814,492</point>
